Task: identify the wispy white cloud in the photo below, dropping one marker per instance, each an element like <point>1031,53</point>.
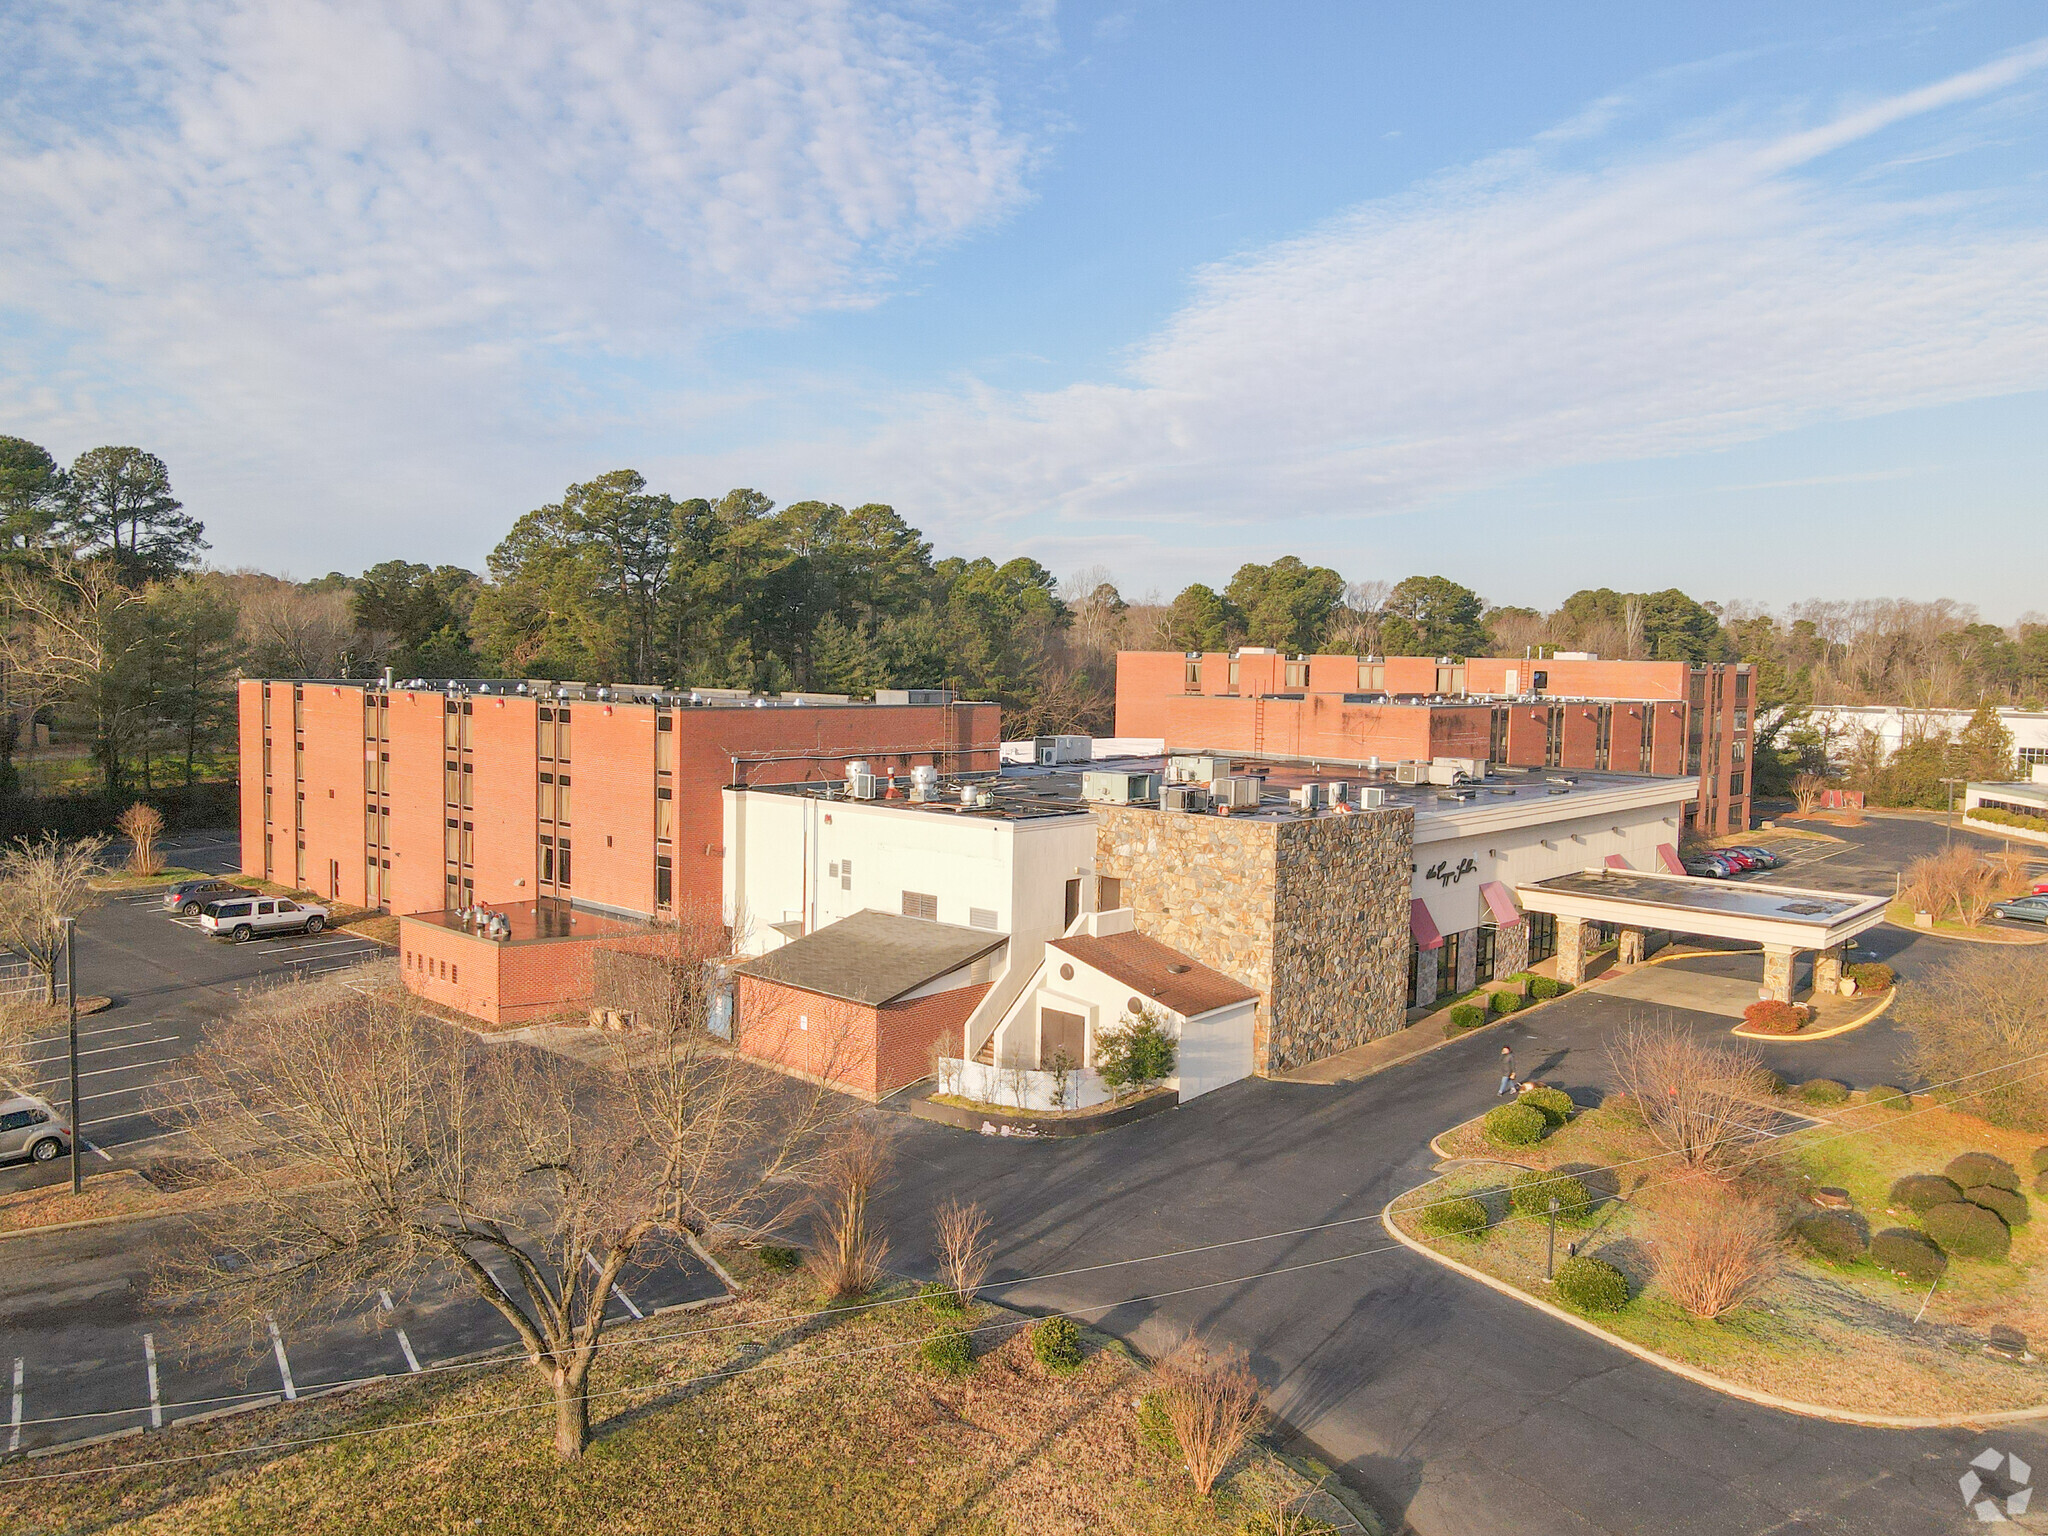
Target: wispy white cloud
<point>1516,317</point>
<point>300,224</point>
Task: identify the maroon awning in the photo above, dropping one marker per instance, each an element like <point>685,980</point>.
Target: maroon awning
<point>1502,902</point>
<point>1616,861</point>
<point>1668,857</point>
<point>1421,926</point>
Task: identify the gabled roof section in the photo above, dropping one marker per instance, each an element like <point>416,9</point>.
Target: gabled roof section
<point>873,957</point>
<point>1157,972</point>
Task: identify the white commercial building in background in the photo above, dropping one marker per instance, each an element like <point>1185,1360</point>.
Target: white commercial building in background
<point>1895,724</point>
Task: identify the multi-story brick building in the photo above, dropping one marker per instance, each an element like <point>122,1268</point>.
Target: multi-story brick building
<point>430,798</point>
<point>1572,712</point>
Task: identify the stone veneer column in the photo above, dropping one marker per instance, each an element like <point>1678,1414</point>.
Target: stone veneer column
<point>1425,976</point>
<point>1827,971</point>
<point>1629,948</point>
<point>1778,972</point>
<point>1468,960</point>
<point>1571,950</point>
<point>1511,948</point>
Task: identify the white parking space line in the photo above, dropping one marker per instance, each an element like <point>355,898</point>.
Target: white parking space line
<point>284,1366</point>
<point>156,1082</point>
<point>412,1361</point>
<point>14,1414</point>
<point>160,1061</point>
<point>156,1402</point>
<point>625,1300</point>
<point>160,1136</point>
<point>101,1050</point>
<point>104,1029</point>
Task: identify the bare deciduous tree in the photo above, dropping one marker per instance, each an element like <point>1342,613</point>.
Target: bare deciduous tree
<point>966,1250</point>
<point>1980,1022</point>
<point>847,1253</point>
<point>1696,1098</point>
<point>1807,789</point>
<point>41,883</point>
<point>1211,1399</point>
<point>293,631</point>
<point>78,637</point>
<point>362,1144</point>
<point>142,825</point>
<point>1715,1248</point>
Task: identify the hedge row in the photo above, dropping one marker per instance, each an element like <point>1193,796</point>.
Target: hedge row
<point>185,808</point>
<point>1999,818</point>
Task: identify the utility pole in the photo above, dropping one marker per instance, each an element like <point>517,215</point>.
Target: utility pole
<point>1550,1258</point>
<point>71,1008</point>
<point>1949,834</point>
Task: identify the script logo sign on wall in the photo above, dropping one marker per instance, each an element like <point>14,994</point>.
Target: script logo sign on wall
<point>1977,1492</point>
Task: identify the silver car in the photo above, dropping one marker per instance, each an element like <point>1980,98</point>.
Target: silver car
<point>244,917</point>
<point>30,1128</point>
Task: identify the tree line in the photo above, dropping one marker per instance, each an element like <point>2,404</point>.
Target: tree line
<point>114,630</point>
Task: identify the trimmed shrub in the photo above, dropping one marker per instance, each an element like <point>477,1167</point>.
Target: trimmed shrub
<point>1982,1168</point>
<point>1515,1125</point>
<point>1767,1084</point>
<point>1823,1090</point>
<point>1056,1342</point>
<point>1554,1104</point>
<point>1869,975</point>
<point>941,1299</point>
<point>2041,1183</point>
<point>1457,1217</point>
<point>1967,1231</point>
<point>1531,1194</point>
<point>1918,1192</point>
<point>1768,1016</point>
<point>1504,1002</point>
<point>1544,988</point>
<point>1909,1255</point>
<point>1590,1285</point>
<point>1832,1236</point>
<point>778,1259</point>
<point>1465,1016</point>
<point>2041,1159</point>
<point>1890,1097</point>
<point>949,1352</point>
<point>2011,1208</point>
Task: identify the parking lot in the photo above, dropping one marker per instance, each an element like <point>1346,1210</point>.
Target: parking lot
<point>83,1354</point>
<point>166,979</point>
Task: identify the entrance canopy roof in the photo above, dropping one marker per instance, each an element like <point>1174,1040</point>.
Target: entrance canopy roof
<point>1760,914</point>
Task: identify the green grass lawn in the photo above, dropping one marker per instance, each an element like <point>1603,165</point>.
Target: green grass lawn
<point>823,1425</point>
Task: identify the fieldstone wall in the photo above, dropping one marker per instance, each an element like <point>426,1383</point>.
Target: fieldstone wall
<point>1572,934</point>
<point>1511,948</point>
<point>1425,977</point>
<point>1313,913</point>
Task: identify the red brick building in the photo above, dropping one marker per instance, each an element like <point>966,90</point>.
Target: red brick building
<point>1574,712</point>
<point>427,799</point>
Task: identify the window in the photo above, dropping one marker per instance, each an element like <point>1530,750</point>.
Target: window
<point>1741,689</point>
<point>1414,960</point>
<point>664,880</point>
<point>562,799</point>
<point>451,785</point>
<point>561,735</point>
<point>1109,893</point>
<point>665,744</point>
<point>1372,677</point>
<point>547,861</point>
<point>1297,674</point>
<point>1447,965</point>
<point>1191,681</point>
<point>468,738</point>
<point>547,797</point>
<point>665,814</point>
<point>1450,681</point>
<point>1482,955</point>
<point>1734,784</point>
<point>921,904</point>
<point>451,841</point>
<point>547,732</point>
<point>451,726</point>
<point>1233,674</point>
<point>562,861</point>
<point>1542,935</point>
<point>1073,901</point>
<point>468,786</point>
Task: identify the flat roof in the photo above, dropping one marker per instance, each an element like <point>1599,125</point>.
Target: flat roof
<point>873,957</point>
<point>537,922</point>
<point>550,692</point>
<point>1716,908</point>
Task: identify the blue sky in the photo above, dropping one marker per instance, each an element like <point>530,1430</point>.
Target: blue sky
<point>1750,300</point>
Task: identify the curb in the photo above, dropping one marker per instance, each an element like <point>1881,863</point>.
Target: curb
<point>1743,1032</point>
<point>1528,1007</point>
<point>2016,942</point>
<point>1697,1376</point>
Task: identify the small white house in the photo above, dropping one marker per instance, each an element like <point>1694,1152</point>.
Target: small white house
<point>1093,980</point>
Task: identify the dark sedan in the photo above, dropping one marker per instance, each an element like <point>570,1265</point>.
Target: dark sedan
<point>190,897</point>
<point>2024,909</point>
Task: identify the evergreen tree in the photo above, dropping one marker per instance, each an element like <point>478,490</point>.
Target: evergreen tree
<point>117,502</point>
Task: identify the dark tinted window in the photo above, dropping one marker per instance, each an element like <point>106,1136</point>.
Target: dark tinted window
<point>232,909</point>
<point>17,1120</point>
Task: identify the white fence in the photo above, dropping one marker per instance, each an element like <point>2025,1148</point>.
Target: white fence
<point>1020,1087</point>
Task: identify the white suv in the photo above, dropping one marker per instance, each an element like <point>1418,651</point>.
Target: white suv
<point>244,917</point>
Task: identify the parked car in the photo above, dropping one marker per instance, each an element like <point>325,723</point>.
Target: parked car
<point>1762,857</point>
<point>243,918</point>
<point>190,897</point>
<point>1736,859</point>
<point>1704,869</point>
<point>30,1128</point>
<point>2023,909</point>
<point>2040,888</point>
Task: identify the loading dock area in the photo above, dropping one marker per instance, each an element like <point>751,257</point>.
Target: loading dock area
<point>1785,920</point>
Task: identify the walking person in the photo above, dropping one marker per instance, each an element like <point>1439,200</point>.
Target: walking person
<point>1507,1072</point>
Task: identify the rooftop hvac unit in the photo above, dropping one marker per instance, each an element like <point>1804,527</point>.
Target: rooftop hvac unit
<point>924,782</point>
<point>1055,751</point>
<point>1240,794</point>
<point>862,786</point>
<point>1111,788</point>
<point>1411,773</point>
<point>1193,768</point>
<point>1371,798</point>
<point>1451,770</point>
<point>1307,798</point>
<point>914,695</point>
<point>1184,797</point>
<point>1337,790</point>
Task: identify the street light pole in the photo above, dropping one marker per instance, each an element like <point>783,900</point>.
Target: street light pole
<point>1550,1259</point>
<point>1948,835</point>
<point>71,1008</point>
